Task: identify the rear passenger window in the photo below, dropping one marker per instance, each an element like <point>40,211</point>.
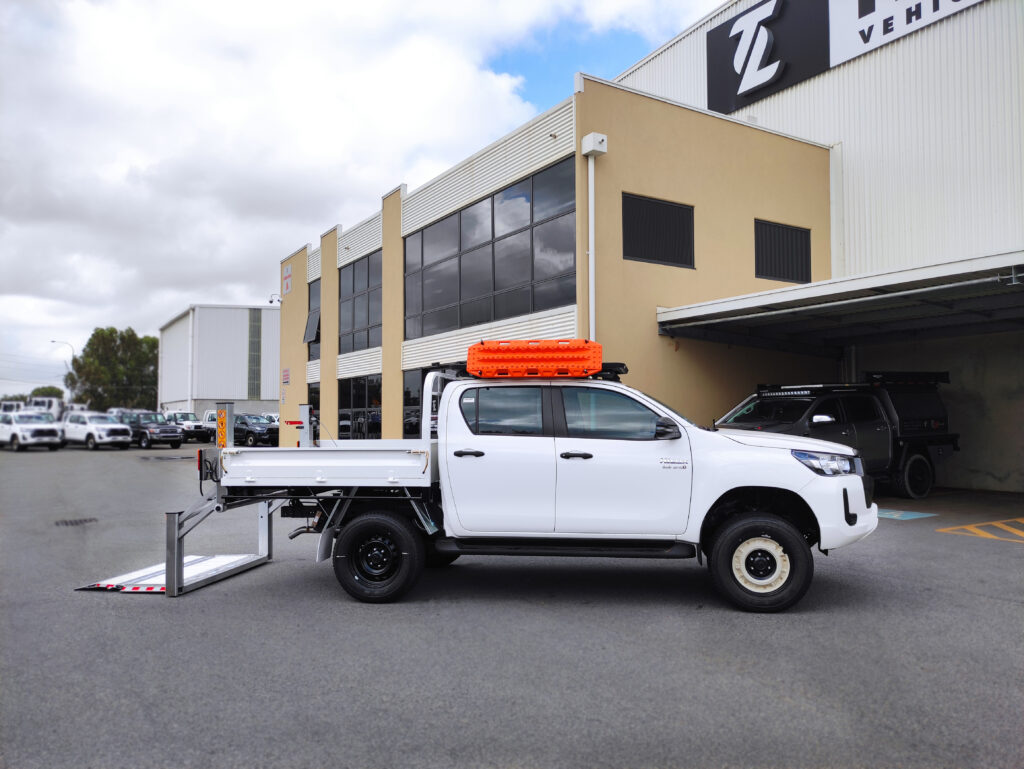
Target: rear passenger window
<point>593,413</point>
<point>503,410</point>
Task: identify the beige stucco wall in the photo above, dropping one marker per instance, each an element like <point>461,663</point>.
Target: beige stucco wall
<point>329,277</point>
<point>984,398</point>
<point>731,174</point>
<point>294,309</point>
<point>392,314</point>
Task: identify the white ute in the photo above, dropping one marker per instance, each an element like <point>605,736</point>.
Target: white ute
<point>561,466</point>
<point>93,429</point>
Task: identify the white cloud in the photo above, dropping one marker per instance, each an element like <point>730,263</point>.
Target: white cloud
<point>155,154</point>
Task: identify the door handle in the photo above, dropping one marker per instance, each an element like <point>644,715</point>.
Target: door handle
<point>576,455</point>
<point>468,453</point>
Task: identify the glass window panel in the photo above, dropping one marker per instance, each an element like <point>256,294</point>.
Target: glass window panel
<point>312,332</point>
<point>411,423</point>
<point>376,268</point>
<point>554,247</point>
<point>360,274</point>
<point>314,295</point>
<point>413,250</point>
<point>512,303</point>
<point>476,224</point>
<point>373,390</point>
<point>344,393</point>
<point>441,284</point>
<point>554,191</point>
<point>375,307</point>
<point>441,240</point>
<point>375,336</point>
<point>345,316</point>
<point>554,293</point>
<point>591,413</point>
<point>512,263</point>
<point>345,282</point>
<point>413,327</point>
<point>359,311</point>
<point>477,311</point>
<point>512,208</point>
<point>344,344</point>
<point>314,351</point>
<point>506,410</point>
<point>440,320</point>
<point>412,386</point>
<point>413,298</point>
<point>476,273</point>
<point>359,392</point>
<point>360,340</point>
<point>344,423</point>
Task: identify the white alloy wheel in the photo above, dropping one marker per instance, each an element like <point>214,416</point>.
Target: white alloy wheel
<point>760,565</point>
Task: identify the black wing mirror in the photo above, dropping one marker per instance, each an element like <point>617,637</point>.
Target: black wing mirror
<point>666,430</point>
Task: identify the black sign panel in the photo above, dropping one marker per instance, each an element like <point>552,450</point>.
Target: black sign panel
<point>772,46</point>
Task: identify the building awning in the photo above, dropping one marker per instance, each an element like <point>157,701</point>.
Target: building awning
<point>973,296</point>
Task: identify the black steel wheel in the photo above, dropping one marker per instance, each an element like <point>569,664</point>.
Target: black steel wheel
<point>90,442</point>
<point>144,442</point>
<point>916,477</point>
<point>378,557</point>
<point>761,563</point>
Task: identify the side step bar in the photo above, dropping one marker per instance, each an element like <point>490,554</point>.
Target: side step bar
<point>591,548</point>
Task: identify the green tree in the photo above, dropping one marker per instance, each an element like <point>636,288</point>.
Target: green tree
<point>116,368</point>
<point>47,391</point>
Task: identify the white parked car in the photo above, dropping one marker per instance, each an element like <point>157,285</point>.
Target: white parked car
<point>94,429</point>
<point>23,429</point>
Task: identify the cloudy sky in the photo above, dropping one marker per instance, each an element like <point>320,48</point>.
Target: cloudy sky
<point>161,153</point>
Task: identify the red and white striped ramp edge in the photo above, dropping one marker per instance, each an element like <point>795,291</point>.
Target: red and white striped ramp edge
<point>153,580</point>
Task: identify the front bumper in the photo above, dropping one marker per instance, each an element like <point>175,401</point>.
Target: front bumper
<point>28,439</point>
<point>843,518</point>
<point>106,439</point>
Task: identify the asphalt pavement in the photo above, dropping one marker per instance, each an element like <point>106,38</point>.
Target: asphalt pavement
<point>908,650</point>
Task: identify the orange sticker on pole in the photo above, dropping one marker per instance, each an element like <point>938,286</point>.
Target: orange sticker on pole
<point>222,428</point>
<point>525,358</point>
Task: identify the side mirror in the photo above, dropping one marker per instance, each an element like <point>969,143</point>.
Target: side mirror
<point>666,430</point>
<point>822,419</point>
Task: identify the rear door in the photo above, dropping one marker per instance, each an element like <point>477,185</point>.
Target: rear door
<point>500,459</point>
<point>873,433</point>
<point>614,475</point>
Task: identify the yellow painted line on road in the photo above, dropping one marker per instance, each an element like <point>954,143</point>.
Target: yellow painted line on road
<point>985,530</point>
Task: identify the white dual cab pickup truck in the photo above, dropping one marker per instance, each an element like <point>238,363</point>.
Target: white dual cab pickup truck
<point>562,467</point>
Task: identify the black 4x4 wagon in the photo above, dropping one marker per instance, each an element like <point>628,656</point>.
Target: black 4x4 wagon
<point>895,420</point>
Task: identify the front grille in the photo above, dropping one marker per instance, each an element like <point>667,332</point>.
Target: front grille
<point>122,431</point>
<point>44,433</point>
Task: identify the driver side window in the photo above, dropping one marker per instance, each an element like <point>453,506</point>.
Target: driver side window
<point>594,413</point>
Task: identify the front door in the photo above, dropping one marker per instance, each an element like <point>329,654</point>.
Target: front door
<point>614,475</point>
<point>500,461</point>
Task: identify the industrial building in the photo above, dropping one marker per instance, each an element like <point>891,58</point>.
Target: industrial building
<point>787,192</point>
<point>211,353</point>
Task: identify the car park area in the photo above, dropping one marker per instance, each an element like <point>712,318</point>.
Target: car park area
<point>905,651</point>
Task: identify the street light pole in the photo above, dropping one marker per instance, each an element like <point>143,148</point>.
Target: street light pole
<point>60,341</point>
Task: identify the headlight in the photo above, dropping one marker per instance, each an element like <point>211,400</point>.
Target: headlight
<point>827,464</point>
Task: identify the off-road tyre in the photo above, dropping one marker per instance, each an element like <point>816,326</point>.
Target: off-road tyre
<point>144,442</point>
<point>16,444</point>
<point>90,442</point>
<point>378,557</point>
<point>915,478</point>
<point>761,563</point>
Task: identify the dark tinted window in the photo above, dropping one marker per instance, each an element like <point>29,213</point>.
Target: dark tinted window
<point>476,224</point>
<point>413,298</point>
<point>512,208</point>
<point>345,317</point>
<point>441,284</point>
<point>784,410</point>
<point>475,312</point>
<point>554,191</point>
<point>512,263</point>
<point>554,293</point>
<point>360,275</point>
<point>592,413</point>
<point>439,321</point>
<point>476,273</point>
<point>861,408</point>
<point>657,231</point>
<point>314,295</point>
<point>782,252</point>
<point>554,246</point>
<point>413,252</point>
<point>512,303</point>
<point>345,281</point>
<point>503,410</point>
<point>441,240</point>
<point>376,268</point>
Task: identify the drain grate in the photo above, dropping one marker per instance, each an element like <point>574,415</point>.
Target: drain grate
<point>75,521</point>
<point>159,458</point>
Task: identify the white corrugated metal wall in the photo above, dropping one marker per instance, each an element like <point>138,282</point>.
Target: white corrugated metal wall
<point>222,353</point>
<point>360,240</point>
<point>270,354</point>
<point>174,364</point>
<point>931,128</point>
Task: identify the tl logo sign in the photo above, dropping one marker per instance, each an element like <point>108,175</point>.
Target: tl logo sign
<point>754,47</point>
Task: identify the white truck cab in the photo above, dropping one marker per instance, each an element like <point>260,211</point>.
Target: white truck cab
<point>562,465</point>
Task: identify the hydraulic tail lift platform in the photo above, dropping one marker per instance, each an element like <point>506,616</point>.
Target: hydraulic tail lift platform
<point>180,573</point>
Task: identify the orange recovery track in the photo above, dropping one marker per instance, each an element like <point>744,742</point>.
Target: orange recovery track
<point>534,358</point>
